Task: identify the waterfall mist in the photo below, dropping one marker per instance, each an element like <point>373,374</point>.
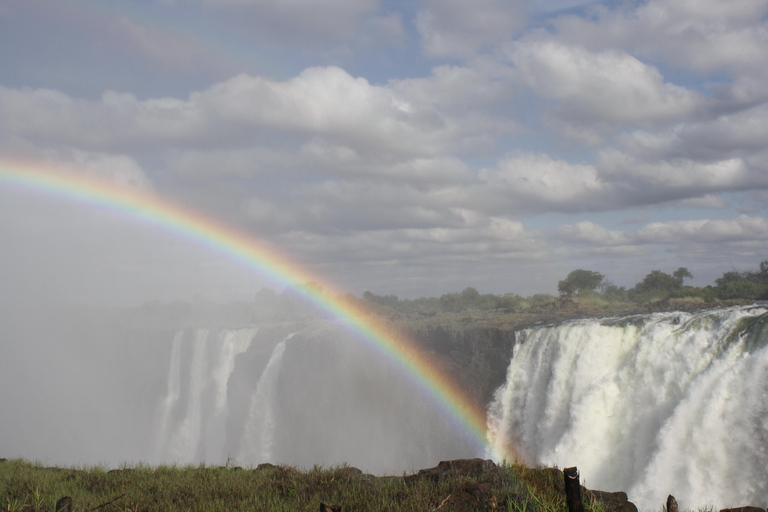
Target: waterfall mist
<point>106,389</point>
<point>668,403</point>
<point>318,396</point>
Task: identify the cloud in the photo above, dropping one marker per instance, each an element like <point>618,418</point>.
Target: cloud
<point>320,101</point>
<point>531,183</point>
<point>704,231</point>
<point>727,136</point>
<point>537,182</point>
<point>742,228</point>
<point>452,28</point>
<point>702,36</point>
<point>494,237</point>
<point>675,175</point>
<point>121,170</point>
<point>323,109</point>
<point>245,162</point>
<point>603,86</point>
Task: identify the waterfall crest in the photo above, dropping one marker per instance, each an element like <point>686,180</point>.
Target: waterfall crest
<point>649,404</point>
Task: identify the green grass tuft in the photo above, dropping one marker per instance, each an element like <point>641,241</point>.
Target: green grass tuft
<point>30,487</point>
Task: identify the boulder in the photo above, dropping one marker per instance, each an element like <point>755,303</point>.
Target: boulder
<point>450,468</point>
<point>64,504</point>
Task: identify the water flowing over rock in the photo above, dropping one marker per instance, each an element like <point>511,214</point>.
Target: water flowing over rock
<point>648,404</point>
<point>319,396</point>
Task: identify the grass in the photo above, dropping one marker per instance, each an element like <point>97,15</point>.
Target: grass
<point>31,487</point>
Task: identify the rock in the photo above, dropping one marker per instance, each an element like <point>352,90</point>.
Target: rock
<point>64,504</point>
<point>743,509</point>
<point>613,501</point>
<point>351,472</point>
<point>466,467</point>
<point>265,465</point>
<point>326,508</point>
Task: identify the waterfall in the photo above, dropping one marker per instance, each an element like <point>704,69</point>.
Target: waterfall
<point>195,430</point>
<point>666,403</point>
<point>231,343</point>
<point>171,397</point>
<point>257,443</point>
<point>317,397</point>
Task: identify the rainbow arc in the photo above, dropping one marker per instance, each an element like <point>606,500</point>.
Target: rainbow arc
<point>255,254</point>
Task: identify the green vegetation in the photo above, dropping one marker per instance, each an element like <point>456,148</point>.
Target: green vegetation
<point>33,488</point>
<point>582,292</point>
<point>579,281</point>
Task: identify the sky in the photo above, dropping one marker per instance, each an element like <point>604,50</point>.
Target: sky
<point>412,148</point>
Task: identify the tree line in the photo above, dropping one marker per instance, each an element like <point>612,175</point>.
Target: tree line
<point>657,287</point>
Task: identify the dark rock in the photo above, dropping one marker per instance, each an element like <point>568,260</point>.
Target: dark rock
<point>64,504</point>
<point>265,465</point>
<point>449,468</point>
<point>3,460</point>
<point>612,501</point>
<point>350,472</point>
<point>743,509</point>
<point>476,357</point>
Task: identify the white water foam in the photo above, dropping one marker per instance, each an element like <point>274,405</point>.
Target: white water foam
<point>671,403</point>
<point>195,430</point>
<point>171,397</point>
<point>257,442</point>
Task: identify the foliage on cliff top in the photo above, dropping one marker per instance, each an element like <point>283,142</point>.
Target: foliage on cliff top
<point>582,293</point>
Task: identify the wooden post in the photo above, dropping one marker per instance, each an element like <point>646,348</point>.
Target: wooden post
<point>573,490</point>
<point>671,504</point>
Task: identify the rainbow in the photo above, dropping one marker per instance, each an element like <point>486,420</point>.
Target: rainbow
<point>269,263</point>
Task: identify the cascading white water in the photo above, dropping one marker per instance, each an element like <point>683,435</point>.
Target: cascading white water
<point>199,430</point>
<point>231,343</point>
<point>319,398</point>
<point>172,395</point>
<point>185,440</point>
<point>668,403</point>
<point>258,440</point>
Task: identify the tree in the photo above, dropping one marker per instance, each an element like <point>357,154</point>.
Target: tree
<point>658,285</point>
<point>578,281</point>
<point>470,295</point>
<point>680,274</point>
